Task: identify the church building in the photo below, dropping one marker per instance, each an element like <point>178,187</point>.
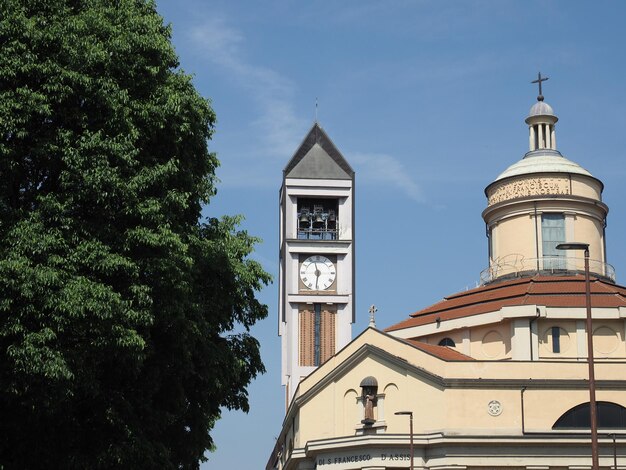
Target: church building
<point>489,378</point>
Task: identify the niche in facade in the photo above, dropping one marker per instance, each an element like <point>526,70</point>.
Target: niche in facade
<point>369,390</point>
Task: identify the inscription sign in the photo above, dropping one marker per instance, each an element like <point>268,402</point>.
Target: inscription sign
<point>528,187</point>
<point>372,457</point>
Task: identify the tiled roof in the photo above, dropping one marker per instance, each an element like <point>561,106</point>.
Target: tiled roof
<point>550,291</point>
<point>442,352</point>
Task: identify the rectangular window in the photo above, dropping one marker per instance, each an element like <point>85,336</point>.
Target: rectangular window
<point>552,233</point>
<point>556,339</point>
<point>317,334</point>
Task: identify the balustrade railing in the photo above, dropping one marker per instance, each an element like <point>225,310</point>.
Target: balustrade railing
<point>512,266</point>
<point>318,234</point>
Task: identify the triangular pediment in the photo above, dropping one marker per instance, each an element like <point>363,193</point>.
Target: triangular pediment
<point>318,158</point>
<point>371,344</point>
<point>355,361</point>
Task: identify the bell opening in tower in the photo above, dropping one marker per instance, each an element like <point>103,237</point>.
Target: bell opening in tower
<point>318,219</point>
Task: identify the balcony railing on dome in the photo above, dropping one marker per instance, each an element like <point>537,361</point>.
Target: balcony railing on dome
<point>513,266</point>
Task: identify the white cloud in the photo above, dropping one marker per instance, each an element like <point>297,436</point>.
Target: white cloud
<point>273,93</point>
<point>278,125</point>
<point>382,169</point>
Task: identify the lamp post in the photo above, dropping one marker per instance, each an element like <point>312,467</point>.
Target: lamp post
<point>614,453</point>
<point>410,415</point>
<point>592,380</point>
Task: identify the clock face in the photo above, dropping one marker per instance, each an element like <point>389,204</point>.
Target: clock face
<point>318,272</point>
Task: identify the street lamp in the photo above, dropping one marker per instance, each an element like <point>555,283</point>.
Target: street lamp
<point>592,380</point>
<point>410,415</point>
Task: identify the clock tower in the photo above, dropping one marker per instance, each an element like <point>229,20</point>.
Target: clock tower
<point>316,274</point>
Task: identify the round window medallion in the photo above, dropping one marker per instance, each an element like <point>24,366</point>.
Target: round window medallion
<point>494,408</point>
<point>493,345</point>
<point>555,340</point>
<point>605,340</point>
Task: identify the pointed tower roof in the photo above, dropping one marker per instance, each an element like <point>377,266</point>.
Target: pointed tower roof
<point>317,157</point>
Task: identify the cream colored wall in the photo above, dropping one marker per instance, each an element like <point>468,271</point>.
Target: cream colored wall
<point>331,409</point>
<point>460,369</point>
<point>518,234</point>
<point>320,416</point>
<point>471,341</point>
<point>542,408</point>
<point>568,339</point>
<point>586,187</point>
<point>589,230</point>
<point>398,385</point>
<point>514,236</point>
<point>351,414</point>
<point>455,410</point>
<point>455,335</point>
<point>608,339</point>
<point>491,342</point>
<point>514,213</point>
<point>467,411</point>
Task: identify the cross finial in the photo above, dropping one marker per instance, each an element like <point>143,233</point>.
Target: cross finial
<point>316,109</point>
<point>539,80</point>
<point>372,311</point>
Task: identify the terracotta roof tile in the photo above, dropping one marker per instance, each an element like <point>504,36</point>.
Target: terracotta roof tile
<point>442,352</point>
<point>551,291</point>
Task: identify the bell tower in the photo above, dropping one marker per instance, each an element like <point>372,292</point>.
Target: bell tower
<point>316,273</point>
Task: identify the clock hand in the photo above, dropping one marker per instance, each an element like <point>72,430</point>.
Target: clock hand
<point>317,276</point>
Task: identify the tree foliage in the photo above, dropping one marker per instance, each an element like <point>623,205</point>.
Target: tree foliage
<point>116,300</point>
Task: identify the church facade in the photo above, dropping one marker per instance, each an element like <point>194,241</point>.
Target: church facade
<point>489,378</point>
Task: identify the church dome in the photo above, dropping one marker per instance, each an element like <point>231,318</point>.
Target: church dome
<point>543,161</point>
<point>541,108</point>
<point>539,202</point>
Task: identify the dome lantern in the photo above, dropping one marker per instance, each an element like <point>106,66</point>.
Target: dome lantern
<point>541,121</point>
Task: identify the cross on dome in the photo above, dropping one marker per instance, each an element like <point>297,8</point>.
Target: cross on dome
<point>539,80</point>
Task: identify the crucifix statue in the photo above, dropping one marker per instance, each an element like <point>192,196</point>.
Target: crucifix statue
<point>539,80</point>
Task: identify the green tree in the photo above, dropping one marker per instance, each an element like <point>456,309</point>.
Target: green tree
<point>117,302</point>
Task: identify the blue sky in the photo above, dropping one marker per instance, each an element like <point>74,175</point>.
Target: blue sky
<point>426,100</point>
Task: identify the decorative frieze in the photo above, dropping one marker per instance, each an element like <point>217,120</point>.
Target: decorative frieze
<point>528,187</point>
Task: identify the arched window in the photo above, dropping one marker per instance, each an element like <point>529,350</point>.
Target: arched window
<point>447,342</point>
<point>610,415</point>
